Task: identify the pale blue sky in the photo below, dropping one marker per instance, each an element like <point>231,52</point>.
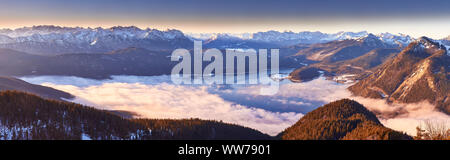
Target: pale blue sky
<point>414,17</point>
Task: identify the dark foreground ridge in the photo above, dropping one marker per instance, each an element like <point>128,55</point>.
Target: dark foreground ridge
<point>341,120</point>
<point>26,116</point>
<point>10,83</point>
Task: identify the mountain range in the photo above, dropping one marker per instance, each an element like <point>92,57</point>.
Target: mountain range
<point>128,61</point>
<point>414,73</point>
<point>397,68</point>
<point>352,56</point>
<point>420,72</point>
<point>55,40</point>
<point>288,38</point>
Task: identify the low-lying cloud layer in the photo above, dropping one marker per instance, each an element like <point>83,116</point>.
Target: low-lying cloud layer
<point>404,117</point>
<point>176,101</point>
<point>401,117</point>
<point>156,97</point>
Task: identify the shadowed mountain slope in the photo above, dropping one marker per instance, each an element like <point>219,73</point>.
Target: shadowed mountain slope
<point>420,72</point>
<point>10,83</point>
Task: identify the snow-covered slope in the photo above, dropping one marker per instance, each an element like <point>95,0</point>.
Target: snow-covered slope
<point>420,72</point>
<point>307,37</point>
<point>400,39</point>
<point>446,43</point>
<point>39,33</point>
<point>50,40</point>
<point>292,38</point>
<point>57,40</point>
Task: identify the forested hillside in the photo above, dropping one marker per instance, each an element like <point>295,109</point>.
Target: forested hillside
<point>26,116</point>
<point>341,120</point>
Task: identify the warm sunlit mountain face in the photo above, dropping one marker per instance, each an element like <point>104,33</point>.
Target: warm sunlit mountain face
<point>343,119</point>
<point>224,70</point>
<point>420,72</point>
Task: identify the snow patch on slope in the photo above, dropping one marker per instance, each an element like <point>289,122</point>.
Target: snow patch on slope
<point>289,37</point>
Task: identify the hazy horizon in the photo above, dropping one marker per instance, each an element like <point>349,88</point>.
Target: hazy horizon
<point>232,33</point>
<point>415,18</point>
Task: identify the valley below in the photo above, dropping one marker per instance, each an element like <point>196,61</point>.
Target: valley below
<point>333,86</point>
<point>157,97</point>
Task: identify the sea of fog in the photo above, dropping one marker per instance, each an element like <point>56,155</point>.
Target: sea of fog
<point>158,97</point>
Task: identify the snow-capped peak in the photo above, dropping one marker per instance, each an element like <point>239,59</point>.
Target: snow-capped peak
<point>292,38</point>
<point>83,35</point>
<point>214,36</point>
<point>60,40</point>
<point>286,37</point>
<point>428,42</point>
<point>225,37</point>
<point>398,39</point>
<point>425,43</point>
<point>349,35</point>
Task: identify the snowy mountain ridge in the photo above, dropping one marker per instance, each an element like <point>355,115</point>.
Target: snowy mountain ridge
<point>78,34</point>
<point>51,40</point>
<point>292,38</point>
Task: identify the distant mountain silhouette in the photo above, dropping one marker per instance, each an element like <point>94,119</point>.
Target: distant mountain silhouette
<point>10,83</point>
<point>129,61</point>
<point>341,120</point>
<point>343,49</point>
